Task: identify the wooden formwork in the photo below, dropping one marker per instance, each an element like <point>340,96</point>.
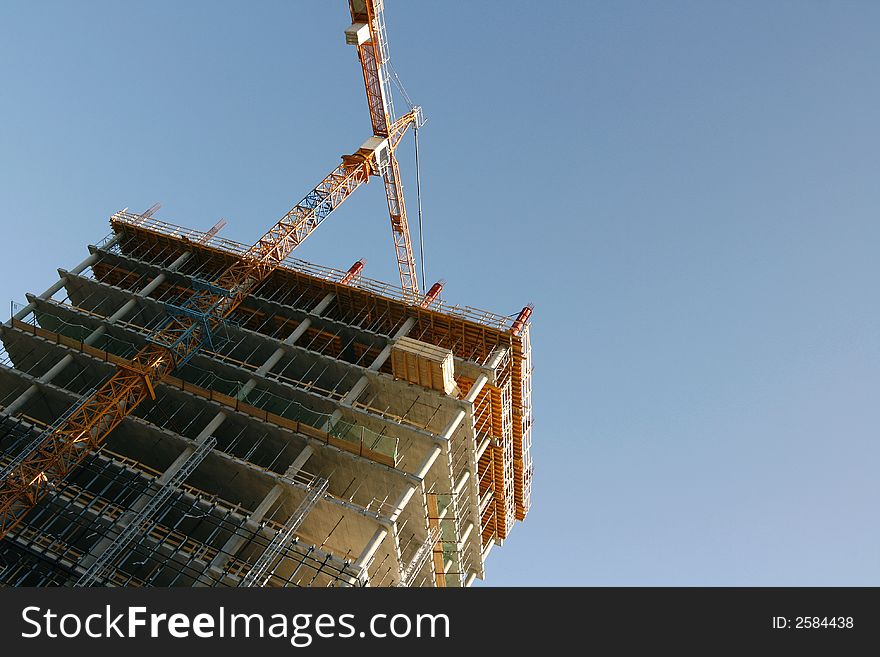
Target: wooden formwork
<point>468,333</point>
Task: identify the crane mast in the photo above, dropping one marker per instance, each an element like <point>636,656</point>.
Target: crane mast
<point>52,455</point>
<point>368,33</point>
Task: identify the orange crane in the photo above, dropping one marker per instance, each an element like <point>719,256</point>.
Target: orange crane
<point>368,33</point>
<point>53,454</point>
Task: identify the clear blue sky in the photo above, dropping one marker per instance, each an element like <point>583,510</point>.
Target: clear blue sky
<point>687,191</point>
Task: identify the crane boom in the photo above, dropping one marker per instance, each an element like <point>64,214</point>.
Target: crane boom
<point>367,32</point>
<point>61,447</point>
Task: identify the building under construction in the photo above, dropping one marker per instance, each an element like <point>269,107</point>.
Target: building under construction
<point>183,410</point>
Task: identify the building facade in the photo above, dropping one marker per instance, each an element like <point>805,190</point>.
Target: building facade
<point>329,433</point>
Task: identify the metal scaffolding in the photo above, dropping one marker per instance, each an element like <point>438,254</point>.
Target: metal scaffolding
<point>304,445</point>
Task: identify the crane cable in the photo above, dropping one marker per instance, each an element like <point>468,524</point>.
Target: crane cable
<point>399,84</point>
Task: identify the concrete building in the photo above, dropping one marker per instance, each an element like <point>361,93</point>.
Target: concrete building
<point>330,434</point>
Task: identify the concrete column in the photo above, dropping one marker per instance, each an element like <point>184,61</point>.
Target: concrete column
<point>403,500</point>
<point>296,335</point>
<point>93,337</point>
<point>428,462</point>
<point>362,383</point>
<point>461,482</point>
<point>307,322</point>
<point>124,520</point>
<point>476,389</point>
<point>482,447</point>
<point>237,541</point>
<point>386,352</point>
<point>299,461</point>
<point>278,353</point>
<point>370,550</point>
<point>149,289</point>
<point>204,434</point>
<point>355,392</point>
<point>323,304</point>
<point>88,262</point>
<point>245,389</point>
<point>60,365</point>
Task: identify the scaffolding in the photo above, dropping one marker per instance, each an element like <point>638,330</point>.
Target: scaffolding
<point>263,568</point>
<point>140,522</point>
<point>285,454</point>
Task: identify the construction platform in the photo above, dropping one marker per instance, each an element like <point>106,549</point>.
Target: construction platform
<point>331,433</point>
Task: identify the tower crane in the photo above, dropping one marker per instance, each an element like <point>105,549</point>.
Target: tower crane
<point>44,462</point>
<point>368,33</point>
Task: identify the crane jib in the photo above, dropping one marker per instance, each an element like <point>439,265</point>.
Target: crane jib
<point>190,325</point>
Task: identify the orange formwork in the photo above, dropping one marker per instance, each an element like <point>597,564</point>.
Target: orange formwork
<point>470,334</point>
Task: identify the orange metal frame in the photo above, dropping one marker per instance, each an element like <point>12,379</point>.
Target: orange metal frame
<point>370,55</point>
<point>66,445</point>
<point>62,447</point>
